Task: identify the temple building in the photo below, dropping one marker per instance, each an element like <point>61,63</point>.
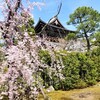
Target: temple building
<point>53,31</point>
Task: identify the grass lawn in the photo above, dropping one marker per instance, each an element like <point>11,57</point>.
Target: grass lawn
<point>90,93</point>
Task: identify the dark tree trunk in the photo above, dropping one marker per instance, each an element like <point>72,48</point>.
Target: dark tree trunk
<point>88,42</point>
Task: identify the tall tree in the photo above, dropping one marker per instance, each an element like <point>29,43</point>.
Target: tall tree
<point>20,72</point>
<point>20,78</point>
<point>86,20</point>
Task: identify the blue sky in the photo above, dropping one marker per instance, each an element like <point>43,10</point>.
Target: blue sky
<point>68,7</point>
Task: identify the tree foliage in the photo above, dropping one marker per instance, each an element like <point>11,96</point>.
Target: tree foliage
<point>80,69</point>
<point>86,20</point>
<point>19,78</point>
<point>29,27</point>
<point>71,36</point>
<point>96,36</point>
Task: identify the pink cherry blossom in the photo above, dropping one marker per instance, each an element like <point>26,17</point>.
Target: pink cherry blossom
<point>22,62</point>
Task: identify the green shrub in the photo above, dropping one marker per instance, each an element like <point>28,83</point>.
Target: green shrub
<point>45,57</point>
<point>81,84</point>
<point>80,69</point>
<point>71,36</point>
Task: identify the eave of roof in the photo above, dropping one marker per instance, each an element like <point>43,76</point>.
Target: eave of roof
<point>54,19</point>
<point>40,20</point>
<point>50,24</point>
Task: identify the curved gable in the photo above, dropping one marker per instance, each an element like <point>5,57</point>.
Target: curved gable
<point>54,21</point>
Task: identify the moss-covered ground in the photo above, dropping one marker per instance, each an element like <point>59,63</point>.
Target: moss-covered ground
<point>90,93</point>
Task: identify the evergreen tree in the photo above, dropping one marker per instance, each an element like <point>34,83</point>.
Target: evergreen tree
<point>86,20</point>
